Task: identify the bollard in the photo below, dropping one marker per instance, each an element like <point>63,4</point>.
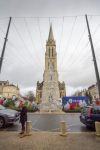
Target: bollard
<point>28,127</point>
<point>63,128</point>
<point>97,128</point>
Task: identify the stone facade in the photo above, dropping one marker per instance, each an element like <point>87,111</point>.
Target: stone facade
<point>93,89</point>
<point>50,88</point>
<point>8,90</point>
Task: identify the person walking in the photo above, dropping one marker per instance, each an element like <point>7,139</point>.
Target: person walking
<point>23,118</point>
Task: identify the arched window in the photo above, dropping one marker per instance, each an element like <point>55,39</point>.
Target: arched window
<point>52,51</point>
<point>49,51</point>
<point>48,65</point>
<point>51,77</point>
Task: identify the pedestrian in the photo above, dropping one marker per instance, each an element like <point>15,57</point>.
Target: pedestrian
<point>23,118</point>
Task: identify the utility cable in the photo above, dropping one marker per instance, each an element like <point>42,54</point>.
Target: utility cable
<point>32,42</point>
<point>69,37</point>
<point>30,55</point>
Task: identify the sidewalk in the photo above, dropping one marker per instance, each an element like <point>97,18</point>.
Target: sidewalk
<point>49,141</point>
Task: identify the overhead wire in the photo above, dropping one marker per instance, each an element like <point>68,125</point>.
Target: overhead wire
<point>85,56</point>
<point>12,56</point>
<point>4,59</point>
<point>28,52</point>
<point>69,40</point>
<point>61,36</point>
<point>74,60</point>
<point>34,48</point>
<point>66,49</point>
<point>95,33</point>
<point>80,39</point>
<point>38,22</point>
<point>14,47</point>
<point>19,53</point>
<point>2,18</point>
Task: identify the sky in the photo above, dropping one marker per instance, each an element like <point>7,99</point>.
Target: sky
<point>24,57</point>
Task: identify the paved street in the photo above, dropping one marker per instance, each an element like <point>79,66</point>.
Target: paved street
<point>49,141</point>
<point>51,122</point>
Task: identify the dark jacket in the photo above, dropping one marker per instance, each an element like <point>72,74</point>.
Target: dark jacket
<point>23,115</point>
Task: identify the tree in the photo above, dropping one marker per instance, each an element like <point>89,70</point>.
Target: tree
<point>30,96</point>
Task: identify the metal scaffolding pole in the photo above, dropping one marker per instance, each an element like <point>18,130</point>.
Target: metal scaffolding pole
<point>4,45</point>
<point>94,57</point>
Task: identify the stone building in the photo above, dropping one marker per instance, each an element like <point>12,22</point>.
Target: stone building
<point>80,93</point>
<point>93,89</point>
<point>50,88</point>
<point>8,90</point>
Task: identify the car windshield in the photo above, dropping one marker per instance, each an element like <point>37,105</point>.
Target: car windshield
<point>2,107</point>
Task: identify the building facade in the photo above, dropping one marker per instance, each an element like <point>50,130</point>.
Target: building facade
<point>50,88</point>
<point>8,90</point>
<point>93,89</point>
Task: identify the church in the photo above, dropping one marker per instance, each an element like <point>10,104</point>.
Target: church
<point>50,89</point>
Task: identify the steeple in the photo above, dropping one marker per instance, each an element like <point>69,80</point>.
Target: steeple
<point>50,37</point>
<point>51,40</point>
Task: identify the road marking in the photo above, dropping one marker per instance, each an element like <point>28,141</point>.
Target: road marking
<point>73,125</point>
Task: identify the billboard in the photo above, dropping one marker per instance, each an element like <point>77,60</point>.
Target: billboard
<point>74,102</point>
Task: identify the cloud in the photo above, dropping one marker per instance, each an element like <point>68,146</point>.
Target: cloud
<point>24,59</point>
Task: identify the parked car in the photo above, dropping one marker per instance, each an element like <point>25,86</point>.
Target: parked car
<point>89,115</point>
<point>7,116</point>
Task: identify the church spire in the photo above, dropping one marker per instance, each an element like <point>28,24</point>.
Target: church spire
<point>50,37</point>
<point>51,40</point>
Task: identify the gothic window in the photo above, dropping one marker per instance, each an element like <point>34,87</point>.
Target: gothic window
<point>52,51</point>
<point>51,77</point>
<point>49,51</point>
<point>48,65</point>
<point>53,65</point>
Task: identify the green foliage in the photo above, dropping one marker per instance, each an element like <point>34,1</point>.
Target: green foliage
<point>26,104</point>
<point>31,109</point>
<point>9,103</point>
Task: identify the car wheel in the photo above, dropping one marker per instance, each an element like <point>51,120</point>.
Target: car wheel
<point>2,122</point>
